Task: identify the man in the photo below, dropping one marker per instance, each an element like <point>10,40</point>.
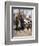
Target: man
<point>17,22</point>
<point>22,21</point>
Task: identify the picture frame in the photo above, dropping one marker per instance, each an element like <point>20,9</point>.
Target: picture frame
<point>21,36</point>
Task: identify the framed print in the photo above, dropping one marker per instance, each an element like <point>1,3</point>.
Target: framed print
<point>21,22</point>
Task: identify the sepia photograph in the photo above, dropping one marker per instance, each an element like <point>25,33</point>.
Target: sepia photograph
<point>21,21</point>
